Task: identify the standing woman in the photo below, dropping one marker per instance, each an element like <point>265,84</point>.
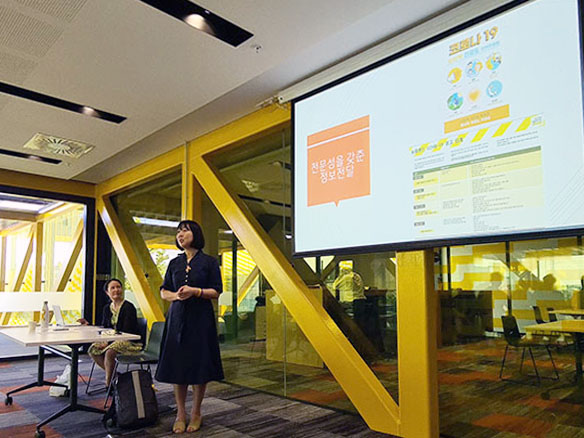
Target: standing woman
<point>189,354</point>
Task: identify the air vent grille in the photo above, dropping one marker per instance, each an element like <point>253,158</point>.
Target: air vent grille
<point>58,146</point>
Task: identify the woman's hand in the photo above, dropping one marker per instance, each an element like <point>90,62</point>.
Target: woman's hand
<point>83,321</point>
<point>168,295</point>
<point>186,292</point>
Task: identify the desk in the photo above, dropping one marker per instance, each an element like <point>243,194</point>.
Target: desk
<point>74,337</point>
<point>575,327</point>
<point>576,313</point>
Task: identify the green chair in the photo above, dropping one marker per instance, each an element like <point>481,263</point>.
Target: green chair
<point>148,356</point>
<point>515,339</point>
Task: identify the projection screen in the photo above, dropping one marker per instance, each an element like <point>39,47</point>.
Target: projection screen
<point>473,136</point>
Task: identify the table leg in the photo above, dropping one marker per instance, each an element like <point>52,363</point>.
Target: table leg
<point>39,382</point>
<point>73,405</point>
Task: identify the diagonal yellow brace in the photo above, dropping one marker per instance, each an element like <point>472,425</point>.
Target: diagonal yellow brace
<point>368,395</point>
<point>145,296</point>
<point>77,246</point>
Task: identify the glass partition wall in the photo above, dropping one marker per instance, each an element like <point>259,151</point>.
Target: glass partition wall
<point>263,347</point>
<point>43,257</point>
<point>149,214</point>
<point>494,378</point>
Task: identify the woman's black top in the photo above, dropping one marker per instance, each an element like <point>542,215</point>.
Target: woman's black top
<point>189,352</point>
<point>127,318</point>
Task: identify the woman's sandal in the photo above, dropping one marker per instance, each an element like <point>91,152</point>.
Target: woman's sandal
<point>178,427</point>
<point>195,424</point>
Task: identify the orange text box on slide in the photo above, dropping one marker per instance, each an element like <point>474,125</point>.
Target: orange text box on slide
<point>339,163</point>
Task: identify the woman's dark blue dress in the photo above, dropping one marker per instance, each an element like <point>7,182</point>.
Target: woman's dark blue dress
<point>189,352</point>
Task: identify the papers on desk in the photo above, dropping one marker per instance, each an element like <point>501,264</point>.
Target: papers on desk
<point>108,332</point>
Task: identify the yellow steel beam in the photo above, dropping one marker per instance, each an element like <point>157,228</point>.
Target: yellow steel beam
<point>37,182</point>
<point>357,380</point>
<point>123,248</point>
<point>17,283</point>
<point>77,246</point>
<point>17,216</point>
<point>37,280</point>
<point>417,348</point>
<point>147,265</point>
<point>243,290</point>
<point>58,211</point>
<point>142,173</point>
<point>247,284</point>
<point>330,267</point>
<point>12,229</point>
<point>235,132</point>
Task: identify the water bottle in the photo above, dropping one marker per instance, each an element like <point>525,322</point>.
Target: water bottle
<point>45,317</point>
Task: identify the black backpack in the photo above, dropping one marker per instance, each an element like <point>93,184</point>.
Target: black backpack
<point>134,402</point>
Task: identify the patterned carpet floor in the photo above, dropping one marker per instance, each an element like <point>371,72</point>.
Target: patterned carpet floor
<point>228,411</point>
<point>474,402</point>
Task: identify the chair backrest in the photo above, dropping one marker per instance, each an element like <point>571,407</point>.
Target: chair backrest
<point>553,316</point>
<point>511,330</point>
<point>142,329</point>
<point>538,317</point>
<point>155,339</point>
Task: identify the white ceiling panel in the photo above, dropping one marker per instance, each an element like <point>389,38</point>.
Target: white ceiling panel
<point>127,58</point>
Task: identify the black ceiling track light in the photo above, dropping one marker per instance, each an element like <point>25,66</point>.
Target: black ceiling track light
<point>23,93</point>
<point>202,19</point>
<point>29,156</point>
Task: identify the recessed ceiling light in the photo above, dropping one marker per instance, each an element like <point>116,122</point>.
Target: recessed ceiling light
<point>88,111</point>
<point>203,20</point>
<point>198,22</point>
<point>45,99</point>
<point>29,156</point>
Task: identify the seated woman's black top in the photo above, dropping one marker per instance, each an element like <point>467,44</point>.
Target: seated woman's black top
<point>127,318</point>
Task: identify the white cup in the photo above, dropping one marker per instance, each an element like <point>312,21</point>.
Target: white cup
<point>31,326</point>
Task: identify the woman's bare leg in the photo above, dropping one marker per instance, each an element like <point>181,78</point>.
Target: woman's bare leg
<point>198,394</point>
<point>109,363</point>
<point>180,396</point>
<point>98,359</point>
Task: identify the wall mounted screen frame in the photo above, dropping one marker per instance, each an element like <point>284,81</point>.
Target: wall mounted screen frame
<point>359,125</point>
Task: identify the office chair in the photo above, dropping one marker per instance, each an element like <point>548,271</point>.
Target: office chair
<point>537,313</point>
<point>516,340</point>
<point>552,316</point>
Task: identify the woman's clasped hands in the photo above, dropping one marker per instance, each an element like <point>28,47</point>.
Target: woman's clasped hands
<point>186,292</point>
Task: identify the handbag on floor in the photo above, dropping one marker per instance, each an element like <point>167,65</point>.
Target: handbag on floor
<point>134,402</point>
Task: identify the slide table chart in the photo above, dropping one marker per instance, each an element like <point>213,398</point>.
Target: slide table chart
<point>74,338</point>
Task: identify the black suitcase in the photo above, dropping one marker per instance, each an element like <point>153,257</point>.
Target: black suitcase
<point>134,402</point>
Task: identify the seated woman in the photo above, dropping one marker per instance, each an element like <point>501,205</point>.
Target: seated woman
<point>121,316</point>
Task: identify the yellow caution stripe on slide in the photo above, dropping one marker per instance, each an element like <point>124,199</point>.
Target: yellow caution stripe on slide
<point>481,134</point>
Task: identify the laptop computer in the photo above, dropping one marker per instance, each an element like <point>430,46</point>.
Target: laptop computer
<point>59,318</point>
